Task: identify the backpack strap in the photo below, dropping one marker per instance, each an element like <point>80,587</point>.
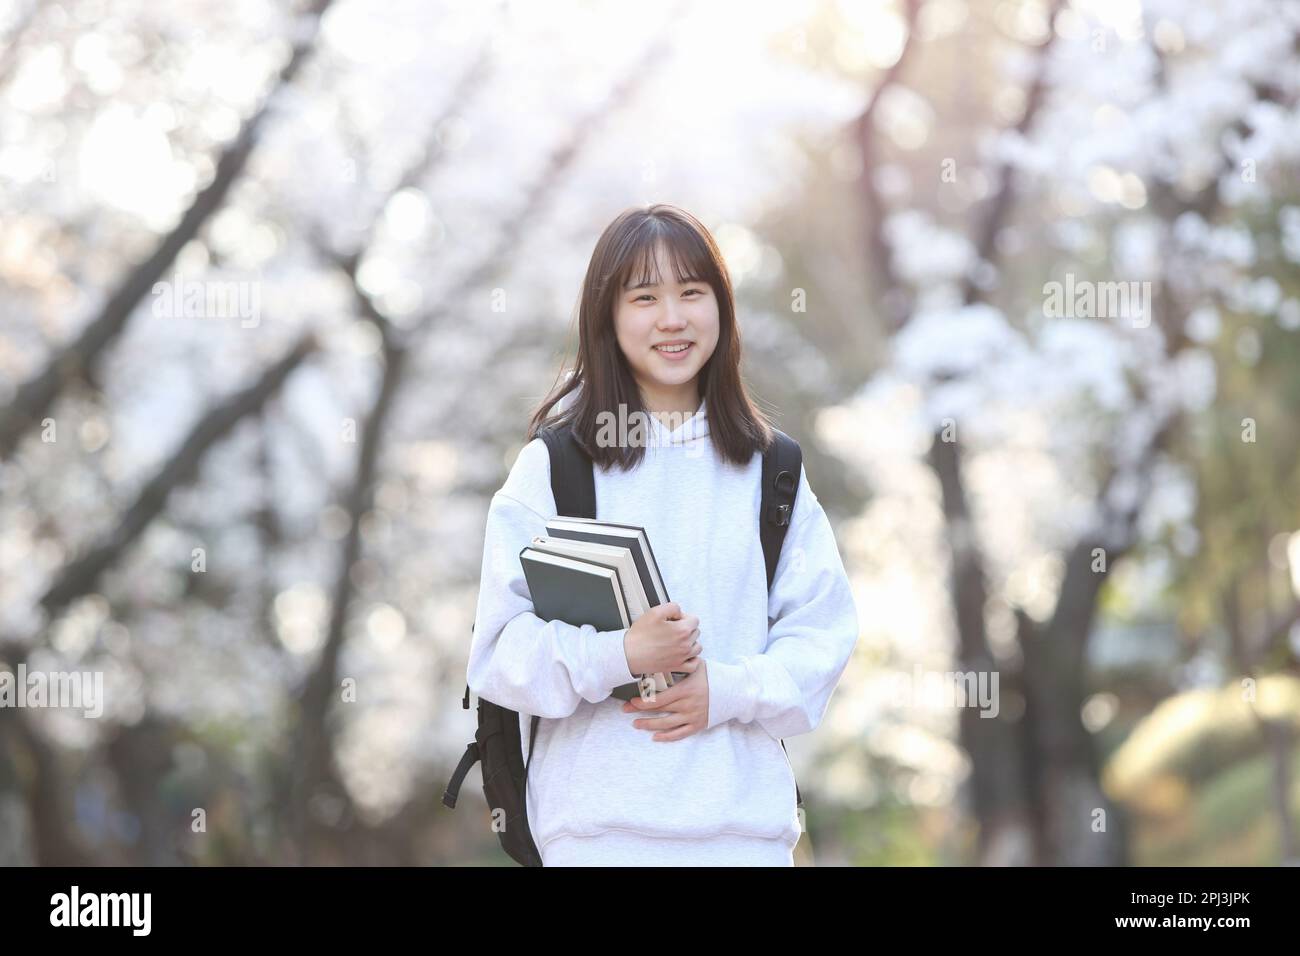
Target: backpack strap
<point>573,485</point>
<point>467,760</point>
<point>782,464</point>
<point>532,739</point>
<point>573,482</point>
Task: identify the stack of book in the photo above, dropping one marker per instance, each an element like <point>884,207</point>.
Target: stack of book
<point>585,571</point>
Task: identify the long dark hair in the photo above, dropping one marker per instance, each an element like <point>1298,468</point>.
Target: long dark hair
<point>736,426</point>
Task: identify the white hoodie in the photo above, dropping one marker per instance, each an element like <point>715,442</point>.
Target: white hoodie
<point>601,790</point>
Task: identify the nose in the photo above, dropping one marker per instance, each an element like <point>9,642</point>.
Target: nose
<point>672,318</point>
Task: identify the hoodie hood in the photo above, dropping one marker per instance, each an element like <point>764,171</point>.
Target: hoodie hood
<point>683,430</point>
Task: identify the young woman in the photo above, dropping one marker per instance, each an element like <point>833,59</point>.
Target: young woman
<point>698,775</point>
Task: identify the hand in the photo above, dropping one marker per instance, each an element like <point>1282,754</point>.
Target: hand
<point>685,706</point>
<point>662,639</point>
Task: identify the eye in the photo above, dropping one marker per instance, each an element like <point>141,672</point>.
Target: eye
<point>644,295</point>
<point>696,291</point>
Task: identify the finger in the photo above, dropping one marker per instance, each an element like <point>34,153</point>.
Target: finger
<point>655,699</point>
<point>684,731</point>
<point>664,723</point>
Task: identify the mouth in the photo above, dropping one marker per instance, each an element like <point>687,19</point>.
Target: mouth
<point>675,351</point>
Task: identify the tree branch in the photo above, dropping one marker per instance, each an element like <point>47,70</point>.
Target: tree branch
<point>80,577</point>
<point>73,360</point>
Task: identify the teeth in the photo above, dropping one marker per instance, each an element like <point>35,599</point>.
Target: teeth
<point>672,348</point>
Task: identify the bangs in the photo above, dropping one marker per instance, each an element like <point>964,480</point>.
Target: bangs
<point>689,256</point>
<point>627,256</point>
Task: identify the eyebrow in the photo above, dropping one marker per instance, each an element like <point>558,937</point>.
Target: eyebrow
<point>689,280</point>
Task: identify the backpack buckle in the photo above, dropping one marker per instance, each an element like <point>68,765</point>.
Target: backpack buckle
<point>785,485</point>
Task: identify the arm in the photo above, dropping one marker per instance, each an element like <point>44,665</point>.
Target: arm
<point>813,631</point>
<point>516,659</point>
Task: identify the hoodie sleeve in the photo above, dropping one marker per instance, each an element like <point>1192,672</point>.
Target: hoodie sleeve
<point>517,660</point>
<point>813,627</point>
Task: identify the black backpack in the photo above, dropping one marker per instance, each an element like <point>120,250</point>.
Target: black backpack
<point>497,741</point>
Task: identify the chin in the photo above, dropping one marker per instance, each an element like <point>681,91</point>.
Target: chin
<point>678,377</point>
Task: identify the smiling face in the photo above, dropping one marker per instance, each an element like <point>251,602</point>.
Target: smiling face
<point>656,277</point>
<point>666,323</point>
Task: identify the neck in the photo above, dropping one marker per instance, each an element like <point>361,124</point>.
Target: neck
<point>662,401</point>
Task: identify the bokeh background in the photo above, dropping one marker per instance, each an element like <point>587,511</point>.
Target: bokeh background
<point>281,283</point>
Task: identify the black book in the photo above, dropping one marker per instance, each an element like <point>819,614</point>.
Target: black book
<point>646,592</point>
<point>576,592</point>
